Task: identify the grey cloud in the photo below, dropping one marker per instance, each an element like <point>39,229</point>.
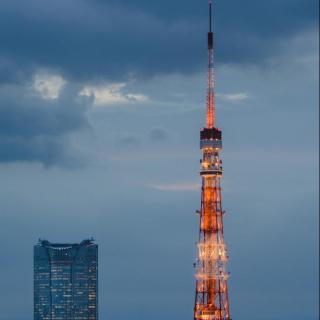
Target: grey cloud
<point>33,129</point>
<point>101,39</point>
<point>11,72</point>
<point>158,134</point>
<point>127,140</point>
<point>48,150</point>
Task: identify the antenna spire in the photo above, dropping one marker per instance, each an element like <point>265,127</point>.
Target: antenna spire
<point>210,90</point>
<point>210,15</point>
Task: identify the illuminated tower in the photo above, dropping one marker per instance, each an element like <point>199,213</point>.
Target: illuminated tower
<point>211,301</point>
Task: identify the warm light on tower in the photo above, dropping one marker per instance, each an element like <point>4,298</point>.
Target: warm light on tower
<point>211,301</point>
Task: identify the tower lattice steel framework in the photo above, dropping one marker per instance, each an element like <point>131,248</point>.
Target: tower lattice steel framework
<point>211,301</point>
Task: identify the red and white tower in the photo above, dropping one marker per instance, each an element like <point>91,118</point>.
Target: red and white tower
<point>211,301</point>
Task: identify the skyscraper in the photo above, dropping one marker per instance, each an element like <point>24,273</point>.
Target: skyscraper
<point>66,281</point>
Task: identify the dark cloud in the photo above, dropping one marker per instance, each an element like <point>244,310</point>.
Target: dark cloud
<point>92,39</point>
<point>158,134</point>
<point>127,140</point>
<point>49,150</point>
<point>11,72</point>
<point>34,129</point>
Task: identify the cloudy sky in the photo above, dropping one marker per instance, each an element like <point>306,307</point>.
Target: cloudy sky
<point>101,103</point>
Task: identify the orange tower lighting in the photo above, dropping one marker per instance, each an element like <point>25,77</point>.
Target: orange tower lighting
<point>211,300</point>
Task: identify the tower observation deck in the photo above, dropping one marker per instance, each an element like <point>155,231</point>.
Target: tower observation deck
<point>211,300</point>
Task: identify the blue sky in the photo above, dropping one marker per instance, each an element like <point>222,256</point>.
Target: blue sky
<point>101,103</point>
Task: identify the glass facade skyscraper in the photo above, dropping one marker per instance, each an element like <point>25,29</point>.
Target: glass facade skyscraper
<point>66,281</point>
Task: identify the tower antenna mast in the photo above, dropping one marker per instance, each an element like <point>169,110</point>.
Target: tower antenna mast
<point>210,88</point>
<point>210,16</point>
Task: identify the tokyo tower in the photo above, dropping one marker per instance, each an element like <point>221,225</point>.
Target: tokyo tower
<point>211,300</point>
